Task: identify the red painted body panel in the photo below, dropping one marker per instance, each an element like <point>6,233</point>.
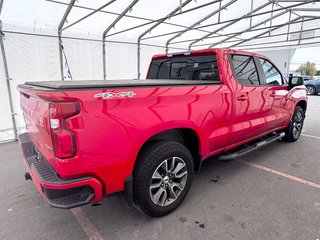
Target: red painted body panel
<point>109,133</point>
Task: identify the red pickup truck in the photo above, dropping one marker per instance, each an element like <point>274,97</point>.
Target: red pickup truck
<point>87,140</point>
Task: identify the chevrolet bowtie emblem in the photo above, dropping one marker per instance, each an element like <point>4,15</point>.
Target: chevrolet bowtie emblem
<point>108,95</point>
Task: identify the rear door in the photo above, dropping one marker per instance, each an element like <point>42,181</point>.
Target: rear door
<point>212,102</point>
<point>251,100</point>
<point>277,90</point>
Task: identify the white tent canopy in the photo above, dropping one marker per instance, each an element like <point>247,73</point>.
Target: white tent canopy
<point>114,39</point>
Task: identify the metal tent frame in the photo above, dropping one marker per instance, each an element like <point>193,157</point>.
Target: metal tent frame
<point>233,39</point>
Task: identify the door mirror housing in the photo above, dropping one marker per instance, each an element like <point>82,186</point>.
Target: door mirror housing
<point>295,81</point>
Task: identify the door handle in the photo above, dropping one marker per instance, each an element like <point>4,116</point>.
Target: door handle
<point>275,96</point>
<point>242,98</point>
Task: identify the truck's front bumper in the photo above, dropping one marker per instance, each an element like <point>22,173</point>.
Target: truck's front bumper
<point>56,191</point>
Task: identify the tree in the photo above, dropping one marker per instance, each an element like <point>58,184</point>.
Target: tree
<point>308,69</point>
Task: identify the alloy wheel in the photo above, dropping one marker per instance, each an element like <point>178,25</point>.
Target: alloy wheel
<point>310,90</point>
<point>297,124</point>
<point>168,181</point>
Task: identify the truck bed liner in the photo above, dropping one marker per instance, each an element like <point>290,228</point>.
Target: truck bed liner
<point>117,83</point>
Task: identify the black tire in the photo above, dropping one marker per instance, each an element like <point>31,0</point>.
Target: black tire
<point>311,90</point>
<point>295,126</point>
<point>149,162</point>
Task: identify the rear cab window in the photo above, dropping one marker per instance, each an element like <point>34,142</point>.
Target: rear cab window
<point>186,68</point>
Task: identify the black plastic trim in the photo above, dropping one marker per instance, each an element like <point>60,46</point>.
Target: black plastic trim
<point>43,169</point>
<point>251,146</point>
<point>59,198</point>
<point>102,84</point>
<point>128,190</point>
<point>197,164</point>
<point>69,198</point>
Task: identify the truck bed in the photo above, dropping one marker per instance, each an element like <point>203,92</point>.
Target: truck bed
<point>59,85</point>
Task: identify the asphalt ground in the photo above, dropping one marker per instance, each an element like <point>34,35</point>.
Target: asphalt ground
<point>273,193</point>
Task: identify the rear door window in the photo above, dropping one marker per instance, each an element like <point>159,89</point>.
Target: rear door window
<point>186,68</point>
<point>245,70</point>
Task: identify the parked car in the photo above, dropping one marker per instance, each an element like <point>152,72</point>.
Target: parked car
<point>313,86</point>
<point>144,139</point>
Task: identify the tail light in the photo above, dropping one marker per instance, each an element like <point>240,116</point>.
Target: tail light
<point>63,139</point>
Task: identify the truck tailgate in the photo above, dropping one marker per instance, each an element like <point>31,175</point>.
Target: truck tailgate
<point>36,115</point>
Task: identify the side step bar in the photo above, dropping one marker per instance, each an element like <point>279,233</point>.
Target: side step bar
<point>251,146</point>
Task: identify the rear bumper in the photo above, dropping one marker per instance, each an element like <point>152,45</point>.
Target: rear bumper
<point>58,192</point>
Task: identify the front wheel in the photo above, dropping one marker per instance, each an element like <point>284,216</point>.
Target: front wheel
<point>294,128</point>
<point>162,177</point>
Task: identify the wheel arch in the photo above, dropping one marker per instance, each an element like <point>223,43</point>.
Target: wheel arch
<point>302,104</point>
<point>186,136</point>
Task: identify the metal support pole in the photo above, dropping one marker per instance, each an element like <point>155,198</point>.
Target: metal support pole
<point>138,59</point>
<point>63,20</point>
<point>240,32</point>
<point>250,28</point>
<point>153,27</point>
<point>301,31</point>
<point>273,47</point>
<point>8,79</point>
<point>306,9</point>
<point>61,57</point>
<point>1,4</point>
<point>231,20</point>
<point>88,15</point>
<point>261,37</point>
<point>288,31</point>
<point>288,1</point>
<point>149,21</point>
<point>229,24</point>
<point>197,23</point>
<point>274,42</point>
<point>271,19</point>
<point>261,34</point>
<point>106,32</point>
<point>251,13</point>
<point>219,15</point>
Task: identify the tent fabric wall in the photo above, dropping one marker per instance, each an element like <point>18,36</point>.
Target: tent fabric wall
<point>36,58</point>
<point>281,58</point>
<point>121,61</point>
<point>6,128</point>
<point>84,59</point>
<point>29,58</point>
<point>31,41</point>
<point>32,58</point>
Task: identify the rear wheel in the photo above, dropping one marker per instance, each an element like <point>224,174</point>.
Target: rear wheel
<point>311,90</point>
<point>162,177</point>
<point>294,128</point>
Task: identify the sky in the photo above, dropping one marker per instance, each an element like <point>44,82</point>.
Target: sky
<point>303,55</point>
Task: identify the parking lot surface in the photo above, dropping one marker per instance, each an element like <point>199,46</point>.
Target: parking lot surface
<point>273,193</point>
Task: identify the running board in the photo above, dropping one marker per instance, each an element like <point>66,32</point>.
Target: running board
<point>251,146</point>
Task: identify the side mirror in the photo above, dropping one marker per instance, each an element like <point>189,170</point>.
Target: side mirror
<point>295,81</point>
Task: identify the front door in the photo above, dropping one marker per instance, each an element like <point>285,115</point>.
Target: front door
<point>277,91</point>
